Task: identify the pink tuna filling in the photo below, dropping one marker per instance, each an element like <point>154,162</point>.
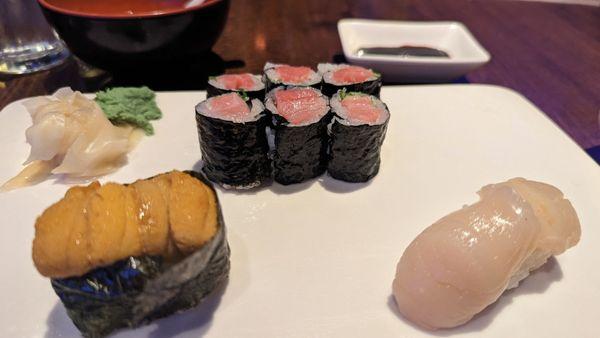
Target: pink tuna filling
<point>361,108</point>
<point>299,105</point>
<point>236,81</point>
<point>294,75</point>
<point>229,106</point>
<point>352,74</point>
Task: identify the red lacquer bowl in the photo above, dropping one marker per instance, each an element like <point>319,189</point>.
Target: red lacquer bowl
<point>139,41</point>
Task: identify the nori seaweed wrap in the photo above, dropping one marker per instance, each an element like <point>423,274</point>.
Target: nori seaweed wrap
<point>350,78</point>
<point>245,84</point>
<point>357,133</point>
<point>276,75</point>
<point>300,116</point>
<point>233,141</point>
<point>141,288</point>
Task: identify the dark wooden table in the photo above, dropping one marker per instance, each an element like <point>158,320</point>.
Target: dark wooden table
<point>548,52</point>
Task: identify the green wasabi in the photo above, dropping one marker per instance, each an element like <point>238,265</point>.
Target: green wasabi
<point>130,105</point>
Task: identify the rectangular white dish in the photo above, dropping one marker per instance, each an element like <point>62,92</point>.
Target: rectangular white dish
<point>317,259</point>
<point>454,38</point>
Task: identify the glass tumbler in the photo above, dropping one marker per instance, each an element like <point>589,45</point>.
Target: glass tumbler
<point>27,42</point>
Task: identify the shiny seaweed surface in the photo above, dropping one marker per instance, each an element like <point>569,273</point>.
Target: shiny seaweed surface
<point>234,154</point>
<point>300,151</point>
<point>355,151</point>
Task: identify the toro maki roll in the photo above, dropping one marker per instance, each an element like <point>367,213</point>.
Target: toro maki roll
<point>357,133</point>
<point>286,75</point>
<point>249,84</point>
<point>233,141</point>
<point>300,118</point>
<point>123,255</point>
<point>350,78</point>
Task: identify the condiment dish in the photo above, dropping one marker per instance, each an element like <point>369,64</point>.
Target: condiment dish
<point>465,53</point>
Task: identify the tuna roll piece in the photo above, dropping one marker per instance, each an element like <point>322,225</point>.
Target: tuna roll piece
<point>233,141</point>
<point>357,133</point>
<point>121,256</point>
<point>249,84</point>
<point>300,118</point>
<point>286,75</point>
<point>350,78</point>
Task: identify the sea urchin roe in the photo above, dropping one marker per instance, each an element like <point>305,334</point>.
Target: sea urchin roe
<point>184,215</point>
<point>106,223</point>
<point>300,105</point>
<point>62,240</point>
<point>152,215</point>
<point>169,215</point>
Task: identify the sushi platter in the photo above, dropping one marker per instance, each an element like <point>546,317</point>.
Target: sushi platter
<point>317,258</point>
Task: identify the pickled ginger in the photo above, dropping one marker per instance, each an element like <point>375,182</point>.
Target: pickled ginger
<point>71,136</point>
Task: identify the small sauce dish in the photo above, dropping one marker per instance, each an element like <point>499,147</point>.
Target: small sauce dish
<point>376,44</point>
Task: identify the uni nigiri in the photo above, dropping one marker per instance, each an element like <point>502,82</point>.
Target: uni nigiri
<point>122,255</point>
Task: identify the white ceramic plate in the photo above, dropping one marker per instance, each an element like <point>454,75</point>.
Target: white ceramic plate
<point>454,38</point>
<point>317,259</point>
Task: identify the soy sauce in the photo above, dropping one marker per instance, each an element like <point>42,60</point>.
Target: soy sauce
<point>403,51</point>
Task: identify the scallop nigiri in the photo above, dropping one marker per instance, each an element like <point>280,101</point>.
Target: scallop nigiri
<point>466,260</point>
<point>70,135</point>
